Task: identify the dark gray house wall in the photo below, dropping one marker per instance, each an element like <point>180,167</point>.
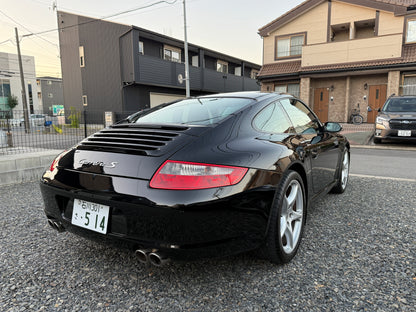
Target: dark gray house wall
<point>71,71</point>
<point>116,76</point>
<point>100,78</point>
<point>101,74</point>
<point>51,93</point>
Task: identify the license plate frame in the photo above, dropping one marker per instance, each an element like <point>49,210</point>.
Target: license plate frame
<point>404,133</point>
<point>90,215</point>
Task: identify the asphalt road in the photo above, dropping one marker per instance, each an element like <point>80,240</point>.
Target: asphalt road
<point>391,163</point>
<point>358,254</point>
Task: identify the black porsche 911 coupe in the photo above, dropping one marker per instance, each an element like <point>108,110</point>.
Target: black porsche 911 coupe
<point>202,177</point>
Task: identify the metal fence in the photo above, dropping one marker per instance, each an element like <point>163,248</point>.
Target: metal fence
<point>45,132</point>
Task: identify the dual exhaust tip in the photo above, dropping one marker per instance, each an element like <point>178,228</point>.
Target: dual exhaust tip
<point>151,256</point>
<point>146,256</point>
<point>56,225</point>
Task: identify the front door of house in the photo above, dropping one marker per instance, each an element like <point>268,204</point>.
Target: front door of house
<point>376,99</point>
<point>321,103</point>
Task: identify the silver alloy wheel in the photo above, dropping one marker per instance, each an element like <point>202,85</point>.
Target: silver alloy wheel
<point>345,169</point>
<point>291,219</point>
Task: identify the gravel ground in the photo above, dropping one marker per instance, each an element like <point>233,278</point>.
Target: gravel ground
<point>358,254</point>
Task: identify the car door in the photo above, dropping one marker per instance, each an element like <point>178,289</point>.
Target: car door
<point>321,147</point>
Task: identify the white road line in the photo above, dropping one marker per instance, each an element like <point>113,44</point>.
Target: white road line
<point>381,178</point>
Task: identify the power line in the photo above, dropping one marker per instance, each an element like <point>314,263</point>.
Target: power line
<point>12,19</point>
<point>10,39</point>
<point>102,18</point>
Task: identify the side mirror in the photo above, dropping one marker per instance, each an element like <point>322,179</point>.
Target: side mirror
<point>332,127</point>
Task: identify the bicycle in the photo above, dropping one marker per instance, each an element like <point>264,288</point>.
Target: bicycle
<point>355,117</point>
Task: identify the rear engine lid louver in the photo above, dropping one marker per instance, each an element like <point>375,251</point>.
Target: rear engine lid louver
<point>136,139</point>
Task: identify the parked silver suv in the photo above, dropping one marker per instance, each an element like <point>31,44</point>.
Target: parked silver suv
<point>396,119</point>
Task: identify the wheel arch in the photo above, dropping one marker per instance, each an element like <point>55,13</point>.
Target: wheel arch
<point>302,172</point>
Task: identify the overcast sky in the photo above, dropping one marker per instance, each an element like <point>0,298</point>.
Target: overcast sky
<point>226,26</point>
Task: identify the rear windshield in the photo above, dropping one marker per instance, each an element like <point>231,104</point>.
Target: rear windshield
<point>400,105</point>
<point>203,111</point>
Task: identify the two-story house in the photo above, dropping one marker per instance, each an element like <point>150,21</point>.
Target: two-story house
<point>337,54</point>
<point>109,66</point>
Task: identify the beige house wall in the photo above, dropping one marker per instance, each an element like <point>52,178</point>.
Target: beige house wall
<point>357,50</point>
<point>390,24</point>
<point>346,92</point>
<point>336,88</point>
<point>305,90</point>
<point>346,13</point>
<point>393,85</point>
<point>311,22</point>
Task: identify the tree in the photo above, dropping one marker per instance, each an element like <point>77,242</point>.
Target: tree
<point>12,101</point>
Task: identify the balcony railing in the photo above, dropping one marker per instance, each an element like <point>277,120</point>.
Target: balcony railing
<point>155,71</point>
<point>357,50</point>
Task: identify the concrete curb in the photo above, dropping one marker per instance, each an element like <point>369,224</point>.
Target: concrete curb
<point>25,167</point>
<point>385,147</point>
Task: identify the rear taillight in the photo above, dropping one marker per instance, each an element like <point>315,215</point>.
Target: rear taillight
<point>180,175</point>
<point>55,162</point>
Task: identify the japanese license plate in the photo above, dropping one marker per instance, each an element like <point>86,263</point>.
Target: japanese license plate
<point>90,215</point>
<point>404,133</point>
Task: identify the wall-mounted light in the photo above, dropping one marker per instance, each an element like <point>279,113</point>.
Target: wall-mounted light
<point>365,86</point>
<point>331,88</point>
<point>332,98</point>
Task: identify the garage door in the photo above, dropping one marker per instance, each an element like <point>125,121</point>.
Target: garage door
<point>160,98</point>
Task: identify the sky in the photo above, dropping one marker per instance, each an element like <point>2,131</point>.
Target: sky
<point>227,26</point>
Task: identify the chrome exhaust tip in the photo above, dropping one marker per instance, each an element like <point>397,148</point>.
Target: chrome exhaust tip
<point>50,222</point>
<point>143,255</point>
<point>56,225</point>
<point>158,259</point>
<point>59,227</point>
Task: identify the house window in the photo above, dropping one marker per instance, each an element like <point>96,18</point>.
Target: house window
<point>172,54</point>
<point>195,60</point>
<point>291,88</point>
<point>289,46</point>
<point>408,85</point>
<point>49,82</point>
<point>141,50</point>
<point>222,67</point>
<point>84,100</point>
<point>81,57</point>
<point>411,31</point>
<point>254,73</point>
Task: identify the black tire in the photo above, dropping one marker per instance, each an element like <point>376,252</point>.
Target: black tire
<point>376,140</point>
<point>342,174</point>
<point>277,246</point>
<point>357,119</point>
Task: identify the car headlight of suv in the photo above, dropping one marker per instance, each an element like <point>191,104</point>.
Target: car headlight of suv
<point>381,120</point>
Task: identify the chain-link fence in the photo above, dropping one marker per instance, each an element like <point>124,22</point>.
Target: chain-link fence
<point>44,132</point>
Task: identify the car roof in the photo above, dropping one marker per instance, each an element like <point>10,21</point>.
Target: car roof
<point>255,95</point>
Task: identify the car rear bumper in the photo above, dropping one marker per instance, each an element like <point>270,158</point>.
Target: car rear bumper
<point>213,228</point>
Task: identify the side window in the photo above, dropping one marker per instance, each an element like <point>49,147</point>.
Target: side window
<point>302,118</point>
<point>272,119</point>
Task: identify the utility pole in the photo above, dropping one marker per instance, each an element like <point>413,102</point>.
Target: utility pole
<point>188,92</point>
<point>22,79</point>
